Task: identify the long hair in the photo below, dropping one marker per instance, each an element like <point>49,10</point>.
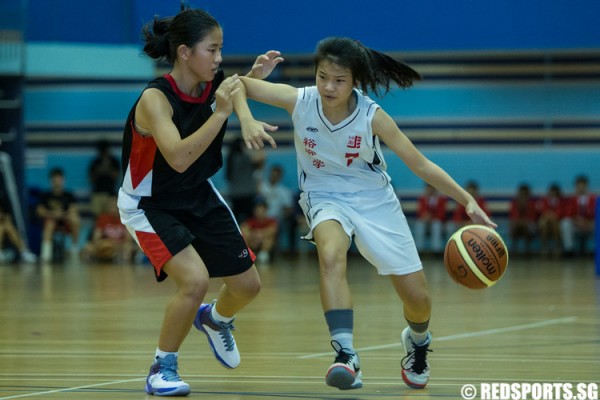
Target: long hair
<point>164,35</point>
<point>371,69</point>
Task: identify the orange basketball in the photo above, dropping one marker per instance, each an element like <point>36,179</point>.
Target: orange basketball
<point>476,256</point>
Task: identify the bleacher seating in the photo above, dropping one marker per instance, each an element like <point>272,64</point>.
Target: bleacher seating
<point>502,116</point>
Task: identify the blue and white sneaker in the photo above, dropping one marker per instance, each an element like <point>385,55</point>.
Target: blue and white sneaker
<point>219,337</point>
<point>163,379</point>
<point>344,373</point>
<point>415,368</point>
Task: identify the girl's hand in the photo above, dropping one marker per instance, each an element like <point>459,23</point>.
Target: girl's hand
<point>225,94</point>
<point>255,134</point>
<point>265,64</point>
<point>478,216</point>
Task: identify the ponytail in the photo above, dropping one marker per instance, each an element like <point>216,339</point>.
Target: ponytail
<point>371,69</point>
<point>164,35</point>
<point>387,69</point>
<point>155,34</point>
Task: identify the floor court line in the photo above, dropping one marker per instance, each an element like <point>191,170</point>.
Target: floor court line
<point>20,396</point>
<point>513,328</point>
<point>315,355</point>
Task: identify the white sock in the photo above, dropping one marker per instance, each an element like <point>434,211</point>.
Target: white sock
<point>418,337</point>
<point>345,340</point>
<point>162,354</point>
<point>218,317</point>
<point>46,252</point>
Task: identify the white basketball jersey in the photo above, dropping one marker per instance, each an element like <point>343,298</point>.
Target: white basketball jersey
<point>345,157</point>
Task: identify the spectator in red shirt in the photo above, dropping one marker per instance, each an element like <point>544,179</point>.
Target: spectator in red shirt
<point>431,217</point>
<point>260,232</point>
<point>110,240</point>
<point>551,208</point>
<point>578,224</point>
<point>522,217</point>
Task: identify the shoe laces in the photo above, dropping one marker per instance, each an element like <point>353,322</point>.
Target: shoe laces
<point>225,329</point>
<point>344,356</point>
<point>418,356</point>
<point>167,366</point>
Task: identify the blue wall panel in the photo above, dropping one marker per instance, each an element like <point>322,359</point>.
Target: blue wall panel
<point>106,21</point>
<point>295,26</point>
<point>79,106</point>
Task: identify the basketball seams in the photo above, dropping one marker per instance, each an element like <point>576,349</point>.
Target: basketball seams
<point>496,234</point>
<point>451,271</point>
<point>459,255</point>
<point>491,250</point>
<point>467,258</point>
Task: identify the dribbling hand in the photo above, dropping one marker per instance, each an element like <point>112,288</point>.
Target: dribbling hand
<point>478,216</point>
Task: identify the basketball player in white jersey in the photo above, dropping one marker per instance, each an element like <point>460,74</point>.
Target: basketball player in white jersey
<point>347,195</point>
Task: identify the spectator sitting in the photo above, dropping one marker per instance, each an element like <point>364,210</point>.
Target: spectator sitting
<point>522,216</point>
<point>103,173</point>
<point>578,223</point>
<point>551,208</point>
<point>260,232</point>
<point>110,240</point>
<point>59,212</point>
<point>279,202</point>
<point>8,229</point>
<point>431,217</point>
<point>460,217</point>
<point>242,172</point>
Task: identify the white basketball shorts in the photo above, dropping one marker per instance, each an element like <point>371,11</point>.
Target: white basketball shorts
<point>374,219</point>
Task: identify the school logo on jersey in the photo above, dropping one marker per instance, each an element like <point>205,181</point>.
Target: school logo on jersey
<point>213,105</point>
<point>318,163</point>
<point>354,142</point>
<point>350,157</point>
<point>309,146</point>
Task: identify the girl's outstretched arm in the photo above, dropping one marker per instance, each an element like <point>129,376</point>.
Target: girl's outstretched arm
<point>278,95</point>
<point>384,126</point>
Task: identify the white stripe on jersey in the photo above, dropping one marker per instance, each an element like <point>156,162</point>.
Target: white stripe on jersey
<point>345,157</point>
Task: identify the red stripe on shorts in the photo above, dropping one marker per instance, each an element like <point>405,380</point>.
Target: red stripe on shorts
<point>154,249</point>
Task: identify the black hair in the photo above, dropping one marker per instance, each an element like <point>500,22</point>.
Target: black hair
<point>56,171</point>
<point>555,187</point>
<point>472,184</point>
<point>582,179</point>
<point>524,187</point>
<point>102,145</point>
<point>164,35</point>
<point>371,69</point>
<point>260,201</point>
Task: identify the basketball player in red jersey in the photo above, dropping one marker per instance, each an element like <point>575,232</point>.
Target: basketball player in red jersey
<point>171,147</point>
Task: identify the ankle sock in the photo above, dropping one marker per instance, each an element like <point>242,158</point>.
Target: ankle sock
<point>162,354</point>
<point>340,323</point>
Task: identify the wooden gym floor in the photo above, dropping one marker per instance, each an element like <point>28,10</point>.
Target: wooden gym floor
<point>77,331</point>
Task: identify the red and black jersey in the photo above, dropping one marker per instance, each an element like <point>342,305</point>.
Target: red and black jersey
<point>146,173</point>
